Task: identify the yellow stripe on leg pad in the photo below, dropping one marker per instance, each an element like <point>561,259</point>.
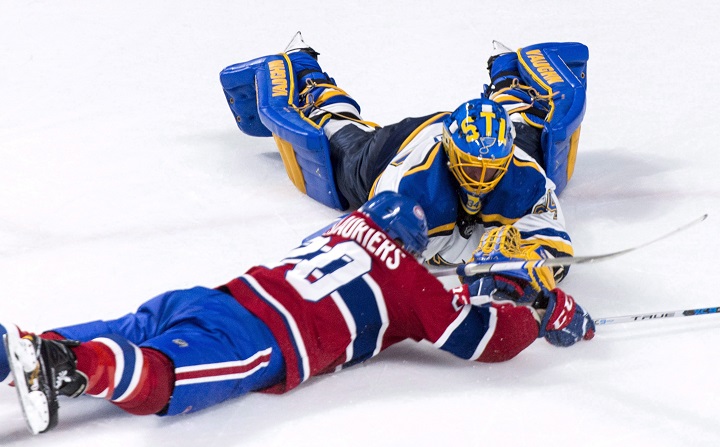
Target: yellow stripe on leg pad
<point>291,165</point>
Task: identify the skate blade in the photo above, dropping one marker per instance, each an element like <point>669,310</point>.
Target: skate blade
<point>34,403</point>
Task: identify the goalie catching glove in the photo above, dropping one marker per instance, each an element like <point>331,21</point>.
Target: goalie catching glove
<point>505,244</point>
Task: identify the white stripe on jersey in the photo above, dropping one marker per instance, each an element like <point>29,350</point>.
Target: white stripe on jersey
<point>120,369</point>
<point>220,365</point>
<point>237,376</point>
<point>382,310</point>
<point>349,321</point>
<point>487,336</point>
<point>137,373</point>
<point>223,365</point>
<point>297,336</point>
<point>453,326</point>
<point>492,324</point>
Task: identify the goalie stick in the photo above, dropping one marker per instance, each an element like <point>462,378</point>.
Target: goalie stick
<point>490,267</point>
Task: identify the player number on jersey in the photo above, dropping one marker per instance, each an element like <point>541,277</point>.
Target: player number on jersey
<point>328,269</point>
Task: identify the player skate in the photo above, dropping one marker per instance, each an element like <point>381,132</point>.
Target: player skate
<point>42,369</point>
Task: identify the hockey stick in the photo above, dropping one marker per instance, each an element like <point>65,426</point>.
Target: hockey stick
<point>657,315</point>
<point>489,267</point>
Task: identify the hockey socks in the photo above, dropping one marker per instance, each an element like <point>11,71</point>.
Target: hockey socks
<point>138,380</point>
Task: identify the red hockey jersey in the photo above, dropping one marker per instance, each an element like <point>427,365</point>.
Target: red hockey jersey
<point>346,295</point>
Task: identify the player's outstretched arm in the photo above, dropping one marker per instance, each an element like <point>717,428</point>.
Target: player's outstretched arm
<point>497,317</point>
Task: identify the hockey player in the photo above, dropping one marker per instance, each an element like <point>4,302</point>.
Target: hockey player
<point>337,300</point>
<point>471,170</point>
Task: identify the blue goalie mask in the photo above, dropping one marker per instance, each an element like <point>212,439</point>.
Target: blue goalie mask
<point>401,218</point>
<point>478,140</point>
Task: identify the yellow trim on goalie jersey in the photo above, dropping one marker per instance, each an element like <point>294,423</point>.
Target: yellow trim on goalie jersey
<point>498,218</point>
<point>526,164</point>
<point>438,261</point>
<point>428,161</point>
<point>441,229</point>
<point>418,129</point>
<point>371,194</point>
<point>562,247</point>
<point>558,245</point>
<point>426,165</point>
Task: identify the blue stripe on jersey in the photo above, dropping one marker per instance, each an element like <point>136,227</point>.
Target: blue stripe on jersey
<point>128,367</point>
<point>545,232</point>
<point>468,335</point>
<point>290,325</point>
<point>360,300</point>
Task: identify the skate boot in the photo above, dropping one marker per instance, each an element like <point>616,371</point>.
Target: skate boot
<point>298,44</point>
<point>42,369</point>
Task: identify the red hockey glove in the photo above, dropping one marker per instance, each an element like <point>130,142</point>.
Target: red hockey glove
<point>565,322</point>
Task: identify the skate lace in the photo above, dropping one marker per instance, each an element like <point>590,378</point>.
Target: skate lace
<point>535,96</point>
<point>32,379</point>
<point>309,102</point>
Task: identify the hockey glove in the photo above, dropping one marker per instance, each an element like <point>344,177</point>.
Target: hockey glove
<point>564,322</point>
<point>504,243</point>
<point>504,287</point>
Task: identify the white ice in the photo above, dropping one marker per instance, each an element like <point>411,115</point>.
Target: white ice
<point>124,175</point>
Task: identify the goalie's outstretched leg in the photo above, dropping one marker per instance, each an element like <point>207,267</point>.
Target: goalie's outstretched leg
<point>42,369</point>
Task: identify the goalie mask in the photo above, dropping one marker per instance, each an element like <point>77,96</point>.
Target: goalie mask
<point>401,218</point>
<point>478,140</point>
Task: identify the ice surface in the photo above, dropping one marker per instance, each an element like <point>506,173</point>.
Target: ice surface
<point>123,175</point>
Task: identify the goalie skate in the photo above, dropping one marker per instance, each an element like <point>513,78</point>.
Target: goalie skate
<point>37,395</point>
